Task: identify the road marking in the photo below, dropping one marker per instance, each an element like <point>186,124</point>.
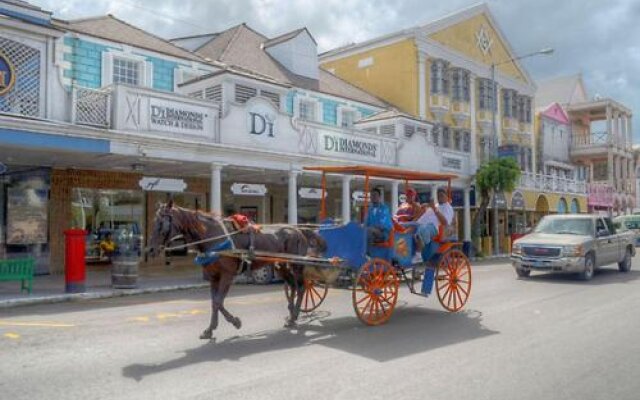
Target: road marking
<point>36,324</point>
<point>12,335</point>
<point>139,319</point>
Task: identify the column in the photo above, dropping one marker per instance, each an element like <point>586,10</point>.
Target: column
<point>474,128</point>
<point>293,197</point>
<point>215,196</point>
<point>422,86</point>
<point>394,196</point>
<point>623,130</point>
<point>610,165</point>
<point>591,172</point>
<point>346,199</point>
<point>434,193</point>
<point>616,128</point>
<point>467,214</point>
<point>630,128</point>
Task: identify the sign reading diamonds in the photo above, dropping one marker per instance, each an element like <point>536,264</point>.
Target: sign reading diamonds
<point>7,74</point>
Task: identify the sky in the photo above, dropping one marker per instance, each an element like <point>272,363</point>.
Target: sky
<point>598,38</point>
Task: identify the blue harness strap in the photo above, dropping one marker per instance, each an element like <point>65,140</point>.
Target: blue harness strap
<point>213,254</point>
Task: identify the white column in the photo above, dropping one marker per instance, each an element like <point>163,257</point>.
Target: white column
<point>422,86</point>
<point>610,165</point>
<point>346,199</point>
<point>630,128</point>
<point>616,127</point>
<point>474,128</point>
<point>293,197</point>
<point>216,189</point>
<point>394,196</point>
<point>623,130</point>
<point>434,193</point>
<point>467,214</point>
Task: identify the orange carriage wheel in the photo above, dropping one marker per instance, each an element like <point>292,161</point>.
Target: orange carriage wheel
<point>314,294</point>
<point>453,280</point>
<point>375,292</point>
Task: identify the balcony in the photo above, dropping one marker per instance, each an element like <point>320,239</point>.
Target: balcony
<point>553,184</point>
<point>439,105</point>
<point>460,112</point>
<point>143,110</point>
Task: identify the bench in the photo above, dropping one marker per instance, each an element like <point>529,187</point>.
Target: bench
<point>18,269</point>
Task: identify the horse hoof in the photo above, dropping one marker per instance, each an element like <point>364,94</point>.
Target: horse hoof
<point>237,323</point>
<point>206,335</point>
<point>289,323</point>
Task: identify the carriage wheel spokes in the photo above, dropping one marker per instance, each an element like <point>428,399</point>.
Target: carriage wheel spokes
<point>453,280</point>
<point>314,294</point>
<point>375,292</point>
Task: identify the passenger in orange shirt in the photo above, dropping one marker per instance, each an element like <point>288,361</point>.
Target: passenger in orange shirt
<point>411,209</point>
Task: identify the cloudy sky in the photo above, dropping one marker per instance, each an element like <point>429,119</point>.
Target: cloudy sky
<point>595,37</point>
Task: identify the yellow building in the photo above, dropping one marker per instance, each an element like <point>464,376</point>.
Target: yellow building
<point>442,72</point>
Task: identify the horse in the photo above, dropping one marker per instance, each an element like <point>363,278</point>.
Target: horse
<point>196,227</point>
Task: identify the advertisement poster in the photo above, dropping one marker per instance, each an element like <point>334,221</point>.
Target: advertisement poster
<point>27,214</point>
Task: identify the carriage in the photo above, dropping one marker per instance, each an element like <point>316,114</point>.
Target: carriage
<point>375,272</point>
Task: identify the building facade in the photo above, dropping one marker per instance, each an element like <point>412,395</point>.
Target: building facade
<point>441,72</point>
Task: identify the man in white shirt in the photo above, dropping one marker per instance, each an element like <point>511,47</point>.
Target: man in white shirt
<point>435,215</point>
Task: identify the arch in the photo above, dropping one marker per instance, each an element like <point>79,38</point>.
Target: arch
<point>562,207</point>
<point>542,204</point>
<point>575,206</point>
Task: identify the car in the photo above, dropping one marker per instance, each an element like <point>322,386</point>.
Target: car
<point>629,223</point>
<point>576,243</point>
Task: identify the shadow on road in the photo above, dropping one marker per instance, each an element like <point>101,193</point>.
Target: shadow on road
<point>605,276</point>
<point>410,331</point>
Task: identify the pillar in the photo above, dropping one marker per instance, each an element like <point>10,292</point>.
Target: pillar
<point>394,196</point>
<point>467,214</point>
<point>422,84</point>
<point>616,128</point>
<point>434,193</point>
<point>474,126</point>
<point>216,189</point>
<point>346,199</point>
<point>293,197</point>
<point>610,165</point>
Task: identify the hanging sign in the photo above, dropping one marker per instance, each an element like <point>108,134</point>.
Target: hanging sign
<point>152,184</point>
<point>311,193</point>
<point>248,189</point>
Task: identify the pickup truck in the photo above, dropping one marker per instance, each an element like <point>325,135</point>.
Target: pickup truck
<point>577,243</point>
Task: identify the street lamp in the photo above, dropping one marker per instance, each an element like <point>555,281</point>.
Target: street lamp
<point>494,132</point>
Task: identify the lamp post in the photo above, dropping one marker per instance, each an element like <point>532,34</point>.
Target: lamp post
<point>494,138</point>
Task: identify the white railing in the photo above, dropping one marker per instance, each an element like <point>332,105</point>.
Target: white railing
<point>91,107</point>
<point>551,183</point>
<point>599,139</point>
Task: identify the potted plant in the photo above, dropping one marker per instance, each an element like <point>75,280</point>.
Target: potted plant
<point>125,261</point>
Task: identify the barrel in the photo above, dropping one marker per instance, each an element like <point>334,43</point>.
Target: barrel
<point>124,274</point>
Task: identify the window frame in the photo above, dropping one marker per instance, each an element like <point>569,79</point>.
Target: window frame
<point>108,61</point>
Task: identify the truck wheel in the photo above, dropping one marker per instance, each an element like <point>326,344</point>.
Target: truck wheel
<point>589,267</point>
<point>523,273</point>
<point>625,265</point>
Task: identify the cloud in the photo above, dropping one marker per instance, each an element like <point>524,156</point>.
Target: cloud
<point>594,37</point>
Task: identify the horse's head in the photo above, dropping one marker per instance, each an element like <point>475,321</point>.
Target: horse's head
<point>317,244</point>
<point>165,228</point>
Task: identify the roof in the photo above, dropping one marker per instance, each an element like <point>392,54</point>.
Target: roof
<point>390,114</point>
<point>383,172</point>
<point>111,28</point>
<point>287,36</point>
<point>557,90</point>
<point>241,46</point>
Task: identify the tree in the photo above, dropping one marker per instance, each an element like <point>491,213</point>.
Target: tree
<point>497,175</point>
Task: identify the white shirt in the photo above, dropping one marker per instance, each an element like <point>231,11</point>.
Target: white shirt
<point>429,217</point>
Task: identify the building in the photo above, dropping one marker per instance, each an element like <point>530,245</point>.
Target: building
<point>601,143</point>
<point>441,73</point>
<point>100,121</point>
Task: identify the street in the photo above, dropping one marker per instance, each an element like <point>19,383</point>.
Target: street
<point>547,337</point>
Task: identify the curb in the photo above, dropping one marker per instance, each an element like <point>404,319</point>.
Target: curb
<point>93,296</point>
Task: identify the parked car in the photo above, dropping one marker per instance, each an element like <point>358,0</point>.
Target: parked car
<point>629,223</point>
<point>573,244</point>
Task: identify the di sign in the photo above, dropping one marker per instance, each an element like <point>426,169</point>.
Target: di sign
<point>7,74</point>
<point>261,121</point>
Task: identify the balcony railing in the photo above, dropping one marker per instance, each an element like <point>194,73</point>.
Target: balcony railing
<point>550,183</point>
<point>91,107</point>
<point>599,139</point>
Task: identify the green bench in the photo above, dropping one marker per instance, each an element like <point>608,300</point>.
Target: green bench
<point>18,269</point>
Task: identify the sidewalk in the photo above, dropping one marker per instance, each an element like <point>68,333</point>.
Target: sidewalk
<point>151,279</point>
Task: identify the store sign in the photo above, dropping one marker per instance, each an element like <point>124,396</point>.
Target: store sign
<point>501,200</point>
<point>452,163</point>
<point>509,151</point>
<point>358,196</point>
<point>171,116</point>
<point>338,144</point>
<point>517,201</point>
<point>248,189</point>
<point>151,184</point>
<point>261,120</point>
<point>311,193</point>
<point>7,74</point>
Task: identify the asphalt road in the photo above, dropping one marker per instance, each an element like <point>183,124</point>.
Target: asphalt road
<point>547,337</point>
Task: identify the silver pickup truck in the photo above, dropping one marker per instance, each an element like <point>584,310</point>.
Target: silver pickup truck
<point>577,243</point>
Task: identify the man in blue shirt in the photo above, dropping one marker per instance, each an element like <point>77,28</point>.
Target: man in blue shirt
<point>378,221</point>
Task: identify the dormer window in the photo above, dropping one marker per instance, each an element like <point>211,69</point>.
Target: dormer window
<point>126,71</point>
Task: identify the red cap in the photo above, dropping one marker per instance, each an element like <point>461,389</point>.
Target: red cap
<point>411,191</point>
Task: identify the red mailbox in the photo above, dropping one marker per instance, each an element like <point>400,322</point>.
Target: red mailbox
<point>74,264</point>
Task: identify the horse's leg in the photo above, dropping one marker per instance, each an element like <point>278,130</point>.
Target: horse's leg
<point>235,321</point>
<point>297,290</point>
<point>213,324</point>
